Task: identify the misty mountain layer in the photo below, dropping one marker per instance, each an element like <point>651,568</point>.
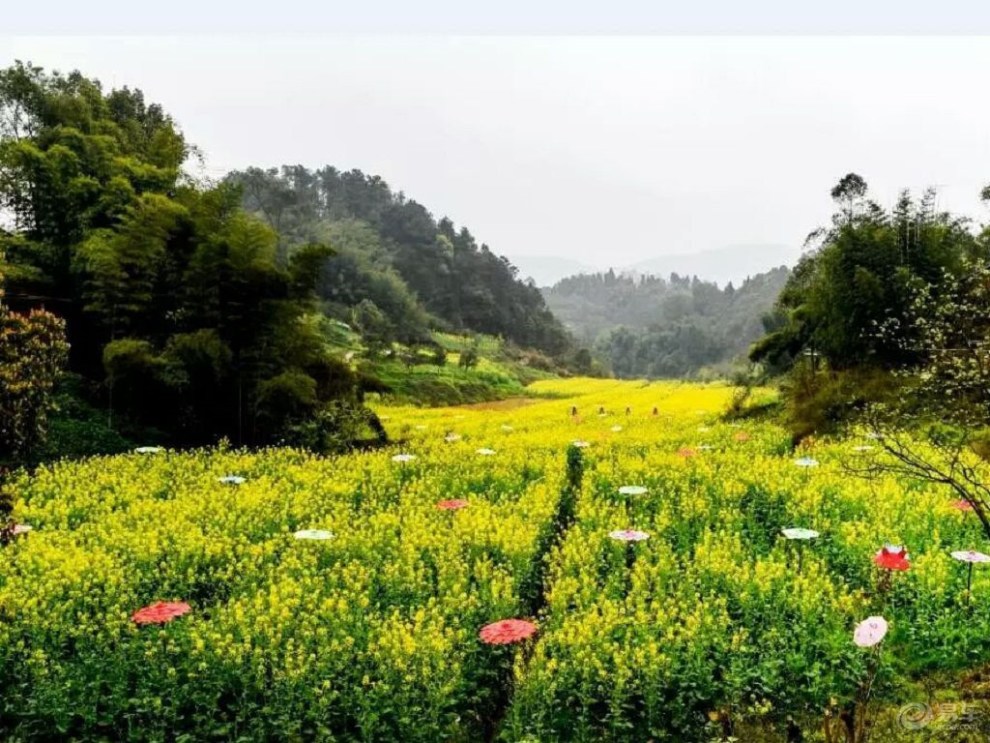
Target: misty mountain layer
<point>655,327</point>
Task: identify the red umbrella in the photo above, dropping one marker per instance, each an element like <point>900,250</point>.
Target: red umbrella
<point>892,557</point>
<point>507,631</point>
<point>161,612</point>
<point>452,505</point>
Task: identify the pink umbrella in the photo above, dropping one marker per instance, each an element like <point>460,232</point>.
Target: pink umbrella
<point>628,535</point>
<point>870,631</point>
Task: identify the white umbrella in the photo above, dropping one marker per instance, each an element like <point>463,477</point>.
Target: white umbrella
<point>313,534</point>
<point>971,557</point>
<point>799,533</point>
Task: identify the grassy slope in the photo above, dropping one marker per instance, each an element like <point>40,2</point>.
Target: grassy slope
<point>496,377</point>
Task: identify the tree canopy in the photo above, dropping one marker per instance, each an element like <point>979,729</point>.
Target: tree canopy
<point>862,272</point>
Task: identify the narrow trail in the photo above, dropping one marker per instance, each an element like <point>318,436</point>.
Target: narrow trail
<point>534,586</point>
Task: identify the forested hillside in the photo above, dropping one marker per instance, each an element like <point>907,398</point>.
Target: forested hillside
<point>655,327</point>
<point>398,266</point>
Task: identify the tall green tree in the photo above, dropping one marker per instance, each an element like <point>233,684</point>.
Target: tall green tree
<point>33,351</point>
<point>73,160</point>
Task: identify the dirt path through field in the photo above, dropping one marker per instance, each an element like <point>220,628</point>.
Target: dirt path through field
<point>510,404</point>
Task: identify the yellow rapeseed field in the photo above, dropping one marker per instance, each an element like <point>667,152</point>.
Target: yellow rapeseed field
<point>332,599</point>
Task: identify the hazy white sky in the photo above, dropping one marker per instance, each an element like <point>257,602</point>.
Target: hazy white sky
<point>609,150</point>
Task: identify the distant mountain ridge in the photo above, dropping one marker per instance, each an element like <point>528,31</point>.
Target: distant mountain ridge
<point>547,270</point>
<point>733,263</point>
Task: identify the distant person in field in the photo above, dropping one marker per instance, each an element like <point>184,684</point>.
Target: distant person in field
<point>573,410</point>
<point>628,410</point>
<point>601,410</point>
<point>655,411</point>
